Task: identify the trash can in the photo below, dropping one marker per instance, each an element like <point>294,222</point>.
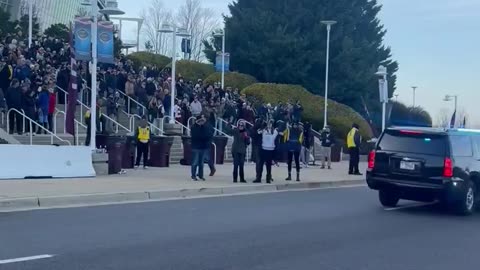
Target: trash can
<point>115,149</point>
<point>101,141</point>
<point>128,159</point>
<point>187,150</point>
<point>160,151</point>
<point>221,143</point>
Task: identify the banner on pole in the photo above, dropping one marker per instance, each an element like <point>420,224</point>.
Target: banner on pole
<point>105,43</point>
<point>83,39</point>
<point>218,62</point>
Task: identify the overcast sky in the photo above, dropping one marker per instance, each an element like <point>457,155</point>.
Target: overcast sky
<point>436,43</point>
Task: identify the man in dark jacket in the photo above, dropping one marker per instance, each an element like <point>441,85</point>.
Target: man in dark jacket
<point>14,101</point>
<point>201,138</point>
<point>241,140</point>
<point>326,150</point>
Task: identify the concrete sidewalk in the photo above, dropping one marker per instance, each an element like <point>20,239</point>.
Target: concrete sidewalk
<point>159,184</point>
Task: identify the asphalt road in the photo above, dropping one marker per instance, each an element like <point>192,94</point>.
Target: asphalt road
<point>337,229</point>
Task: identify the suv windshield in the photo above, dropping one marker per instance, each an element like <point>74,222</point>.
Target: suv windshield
<point>413,142</point>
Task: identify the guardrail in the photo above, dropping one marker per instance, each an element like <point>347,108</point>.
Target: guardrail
<point>31,123</point>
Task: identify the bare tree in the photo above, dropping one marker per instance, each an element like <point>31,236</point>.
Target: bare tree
<point>443,118</point>
<point>461,115</point>
<point>154,17</point>
<point>199,22</point>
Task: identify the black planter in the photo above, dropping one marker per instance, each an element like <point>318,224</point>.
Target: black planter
<point>160,151</point>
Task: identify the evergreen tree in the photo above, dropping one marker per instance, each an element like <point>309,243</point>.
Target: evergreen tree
<point>59,31</point>
<point>284,41</point>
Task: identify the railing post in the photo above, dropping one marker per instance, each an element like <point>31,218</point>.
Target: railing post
<point>31,135</point>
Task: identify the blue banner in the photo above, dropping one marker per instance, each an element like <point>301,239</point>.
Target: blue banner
<point>218,62</point>
<point>105,43</point>
<point>83,39</point>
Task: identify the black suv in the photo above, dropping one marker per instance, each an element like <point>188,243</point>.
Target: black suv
<point>427,164</point>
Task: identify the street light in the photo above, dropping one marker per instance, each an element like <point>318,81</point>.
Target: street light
<point>111,8</point>
<point>414,88</point>
<point>221,33</point>
<point>383,91</point>
<point>176,32</point>
<point>450,98</point>
<point>329,27</point>
<point>30,22</point>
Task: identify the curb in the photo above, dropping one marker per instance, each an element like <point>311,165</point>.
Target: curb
<point>33,203</point>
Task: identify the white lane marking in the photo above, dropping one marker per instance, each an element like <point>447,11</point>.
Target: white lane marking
<point>409,206</point>
<point>24,259</point>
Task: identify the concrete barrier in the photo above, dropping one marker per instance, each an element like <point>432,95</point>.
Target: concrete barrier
<point>45,161</point>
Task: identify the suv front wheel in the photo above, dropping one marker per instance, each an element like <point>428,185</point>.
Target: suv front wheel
<point>467,202</point>
<point>388,198</point>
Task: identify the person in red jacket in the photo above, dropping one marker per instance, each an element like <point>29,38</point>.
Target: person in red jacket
<point>51,107</point>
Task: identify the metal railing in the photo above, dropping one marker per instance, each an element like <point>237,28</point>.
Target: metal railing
<point>31,123</point>
<point>129,100</point>
<point>215,129</point>
<point>152,125</point>
<point>214,144</point>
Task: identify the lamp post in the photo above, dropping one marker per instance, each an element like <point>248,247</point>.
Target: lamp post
<point>30,22</point>
<point>329,27</point>
<point>111,8</point>
<point>180,32</point>
<point>455,98</point>
<point>383,92</point>
<point>414,88</point>
<point>221,33</point>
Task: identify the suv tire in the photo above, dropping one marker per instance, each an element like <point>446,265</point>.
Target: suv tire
<point>467,204</point>
<point>388,198</point>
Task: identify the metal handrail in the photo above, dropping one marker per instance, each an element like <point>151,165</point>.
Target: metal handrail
<point>65,119</point>
<point>78,100</point>
<point>134,101</point>
<point>215,129</point>
<point>31,127</point>
<point>117,124</point>
<point>152,126</point>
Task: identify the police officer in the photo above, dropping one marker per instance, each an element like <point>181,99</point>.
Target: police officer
<point>293,138</point>
<point>142,134</point>
<point>353,143</point>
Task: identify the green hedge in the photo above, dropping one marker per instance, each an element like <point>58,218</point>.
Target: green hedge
<point>192,70</point>
<point>232,79</point>
<point>141,59</point>
<point>340,117</point>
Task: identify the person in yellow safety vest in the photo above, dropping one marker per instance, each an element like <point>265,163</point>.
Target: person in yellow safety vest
<point>353,144</point>
<point>142,134</point>
<point>100,119</point>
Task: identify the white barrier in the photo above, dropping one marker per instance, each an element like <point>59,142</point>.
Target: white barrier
<point>45,161</point>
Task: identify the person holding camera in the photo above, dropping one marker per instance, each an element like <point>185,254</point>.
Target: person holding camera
<point>293,138</point>
<point>241,140</point>
<point>267,151</point>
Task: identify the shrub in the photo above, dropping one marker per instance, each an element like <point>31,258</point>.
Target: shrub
<point>340,117</point>
<point>402,115</point>
<point>141,59</point>
<point>232,79</point>
<point>192,70</point>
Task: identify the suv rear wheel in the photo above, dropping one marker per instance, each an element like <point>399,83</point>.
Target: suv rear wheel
<point>466,205</point>
<point>388,198</point>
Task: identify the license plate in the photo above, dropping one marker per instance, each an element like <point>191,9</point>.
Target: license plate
<point>409,166</point>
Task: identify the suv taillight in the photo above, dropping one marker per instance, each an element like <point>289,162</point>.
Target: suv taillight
<point>371,160</point>
<point>447,167</point>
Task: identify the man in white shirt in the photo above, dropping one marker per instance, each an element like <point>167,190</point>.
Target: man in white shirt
<point>269,134</point>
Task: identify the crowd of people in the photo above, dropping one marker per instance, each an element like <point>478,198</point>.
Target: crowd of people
<point>28,79</point>
<point>33,81</point>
